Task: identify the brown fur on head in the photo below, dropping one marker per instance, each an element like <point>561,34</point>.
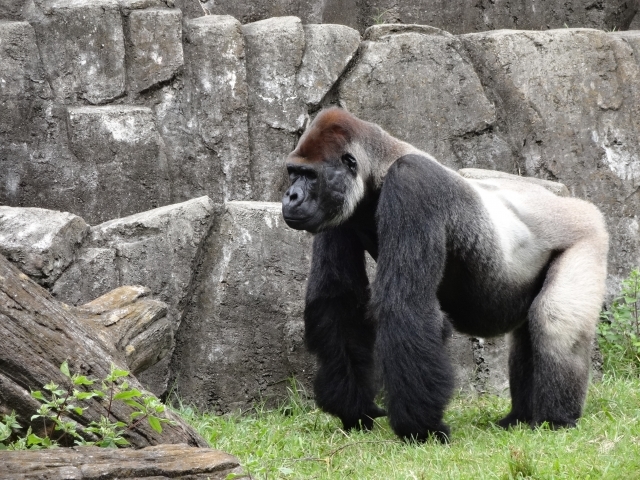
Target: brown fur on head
<point>328,136</point>
<point>335,131</point>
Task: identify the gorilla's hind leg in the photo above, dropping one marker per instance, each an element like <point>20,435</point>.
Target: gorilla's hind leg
<point>520,378</point>
<point>562,322</point>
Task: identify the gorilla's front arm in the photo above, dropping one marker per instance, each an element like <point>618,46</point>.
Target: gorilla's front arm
<point>339,330</point>
<point>417,372</point>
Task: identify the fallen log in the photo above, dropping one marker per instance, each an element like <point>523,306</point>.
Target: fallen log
<point>38,333</point>
<point>92,463</point>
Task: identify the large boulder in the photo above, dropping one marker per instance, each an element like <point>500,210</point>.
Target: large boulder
<point>24,94</point>
<point>22,85</point>
<point>274,50</point>
<point>218,98</point>
<point>328,50</point>
<point>42,243</point>
<point>121,153</point>
<point>456,16</point>
<point>82,46</point>
<point>159,249</point>
<point>153,47</point>
<point>417,83</point>
<point>242,336</point>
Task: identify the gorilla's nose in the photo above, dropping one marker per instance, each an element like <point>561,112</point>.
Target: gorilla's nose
<point>293,197</point>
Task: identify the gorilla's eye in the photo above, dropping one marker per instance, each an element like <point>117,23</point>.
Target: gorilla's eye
<point>350,161</point>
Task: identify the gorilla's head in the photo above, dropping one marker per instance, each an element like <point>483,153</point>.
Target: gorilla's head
<point>327,172</point>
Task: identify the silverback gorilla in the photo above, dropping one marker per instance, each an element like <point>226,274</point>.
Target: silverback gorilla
<point>486,256</point>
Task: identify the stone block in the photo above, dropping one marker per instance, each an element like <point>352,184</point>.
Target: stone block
<point>491,356</point>
<point>458,16</point>
<point>153,47</point>
<point>127,6</point>
<point>276,112</point>
<point>218,97</point>
<point>158,249</point>
<point>12,9</point>
<point>459,348</point>
<point>42,243</point>
<point>22,82</point>
<point>328,50</point>
<point>241,338</point>
<point>121,150</point>
<point>417,83</point>
<point>82,46</point>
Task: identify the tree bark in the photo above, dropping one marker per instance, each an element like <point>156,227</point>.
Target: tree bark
<point>93,463</point>
<point>38,333</point>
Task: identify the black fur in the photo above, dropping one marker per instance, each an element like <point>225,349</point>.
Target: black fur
<point>339,330</point>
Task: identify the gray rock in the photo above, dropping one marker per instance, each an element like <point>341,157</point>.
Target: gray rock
<point>120,149</point>
<point>459,348</point>
<point>153,48</point>
<point>568,107</point>
<point>491,357</point>
<point>328,50</point>
<point>12,9</point>
<point>218,97</point>
<point>242,334</point>
<point>193,167</point>
<point>158,249</point>
<point>127,6</point>
<point>82,46</point>
<point>252,11</point>
<point>417,83</point>
<point>276,113</point>
<point>22,82</point>
<point>42,243</point>
<point>377,32</point>
<point>344,12</point>
<point>458,16</point>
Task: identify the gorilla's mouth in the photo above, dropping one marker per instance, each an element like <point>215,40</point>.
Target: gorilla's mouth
<point>297,223</point>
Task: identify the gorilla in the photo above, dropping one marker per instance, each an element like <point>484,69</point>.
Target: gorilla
<point>487,257</point>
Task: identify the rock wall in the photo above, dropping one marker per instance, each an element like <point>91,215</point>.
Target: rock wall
<point>162,131</point>
<point>455,16</point>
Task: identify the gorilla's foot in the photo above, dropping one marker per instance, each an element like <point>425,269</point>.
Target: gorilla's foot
<point>440,433</point>
<point>512,420</point>
<point>364,421</point>
<point>555,424</point>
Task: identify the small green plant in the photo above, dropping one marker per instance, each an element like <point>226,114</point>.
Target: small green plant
<point>383,16</point>
<point>58,403</point>
<point>619,328</point>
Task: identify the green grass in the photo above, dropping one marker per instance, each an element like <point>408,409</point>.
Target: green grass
<point>298,441</point>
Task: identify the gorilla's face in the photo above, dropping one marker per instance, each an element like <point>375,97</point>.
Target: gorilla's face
<point>326,171</point>
<point>322,194</point>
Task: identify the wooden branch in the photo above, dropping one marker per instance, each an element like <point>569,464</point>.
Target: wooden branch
<point>162,461</point>
<point>135,326</point>
<point>38,333</point>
